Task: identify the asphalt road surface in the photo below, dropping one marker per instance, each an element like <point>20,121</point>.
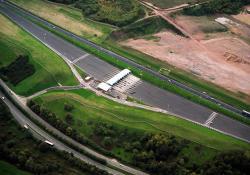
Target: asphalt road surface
<point>45,136</point>
<point>42,135</point>
<point>130,62</point>
<point>146,92</point>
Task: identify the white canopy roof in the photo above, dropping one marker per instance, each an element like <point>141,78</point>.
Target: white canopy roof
<point>118,77</point>
<point>104,86</point>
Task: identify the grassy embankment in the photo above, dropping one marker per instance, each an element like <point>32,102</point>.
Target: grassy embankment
<point>117,13</point>
<point>8,169</point>
<point>233,99</point>
<point>67,17</point>
<point>50,68</point>
<point>89,108</point>
<point>23,151</point>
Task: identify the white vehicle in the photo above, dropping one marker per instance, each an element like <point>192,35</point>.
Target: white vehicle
<point>49,143</point>
<point>246,113</point>
<point>26,126</point>
<point>2,98</point>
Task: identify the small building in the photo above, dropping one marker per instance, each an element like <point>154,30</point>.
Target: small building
<point>104,87</point>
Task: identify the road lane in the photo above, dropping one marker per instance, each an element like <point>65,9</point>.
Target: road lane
<point>150,94</point>
<point>130,62</point>
<point>42,135</point>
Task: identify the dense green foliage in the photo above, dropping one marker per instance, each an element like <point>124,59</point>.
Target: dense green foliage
<point>63,1</point>
<point>143,27</point>
<point>64,127</point>
<point>18,147</point>
<point>217,6</point>
<point>18,70</point>
<point>115,12</point>
<point>119,131</point>
<point>8,169</point>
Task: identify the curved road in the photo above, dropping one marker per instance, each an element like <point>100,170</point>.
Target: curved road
<point>58,133</point>
<point>42,135</point>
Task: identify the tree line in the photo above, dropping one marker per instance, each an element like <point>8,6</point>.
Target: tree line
<point>217,7</point>
<point>18,147</point>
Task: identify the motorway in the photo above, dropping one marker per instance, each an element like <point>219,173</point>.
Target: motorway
<point>45,136</point>
<point>42,135</point>
<point>123,59</point>
<point>144,91</point>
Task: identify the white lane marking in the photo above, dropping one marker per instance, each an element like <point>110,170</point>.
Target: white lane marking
<point>210,119</point>
<point>80,58</point>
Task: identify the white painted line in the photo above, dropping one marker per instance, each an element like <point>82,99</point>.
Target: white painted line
<point>210,119</point>
<point>80,58</point>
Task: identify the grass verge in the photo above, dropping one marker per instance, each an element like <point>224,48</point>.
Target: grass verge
<point>50,68</point>
<point>88,106</point>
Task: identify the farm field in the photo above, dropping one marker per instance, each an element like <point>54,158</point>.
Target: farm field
<point>8,169</point>
<point>67,17</point>
<point>15,42</point>
<point>89,107</point>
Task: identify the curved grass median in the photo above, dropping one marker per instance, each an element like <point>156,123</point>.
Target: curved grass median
<point>91,108</point>
<point>50,69</point>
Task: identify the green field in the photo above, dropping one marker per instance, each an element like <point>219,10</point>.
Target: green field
<point>50,68</point>
<point>67,17</point>
<point>236,99</point>
<point>8,169</point>
<point>88,106</point>
<point>172,3</point>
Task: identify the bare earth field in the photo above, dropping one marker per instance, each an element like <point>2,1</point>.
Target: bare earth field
<point>244,16</point>
<point>224,59</point>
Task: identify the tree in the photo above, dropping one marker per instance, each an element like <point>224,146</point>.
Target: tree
<point>68,107</point>
<point>69,119</point>
<point>107,141</point>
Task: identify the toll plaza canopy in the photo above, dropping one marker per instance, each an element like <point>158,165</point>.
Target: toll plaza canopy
<point>118,77</point>
<point>115,79</point>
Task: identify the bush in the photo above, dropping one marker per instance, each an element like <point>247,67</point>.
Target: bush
<point>68,107</point>
<point>18,70</point>
<point>115,12</point>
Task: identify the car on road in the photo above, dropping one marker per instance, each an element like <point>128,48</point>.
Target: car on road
<point>49,143</point>
<point>25,126</point>
<point>2,98</point>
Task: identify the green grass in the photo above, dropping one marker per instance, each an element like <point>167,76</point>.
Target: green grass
<point>50,68</point>
<point>143,27</point>
<point>89,107</point>
<point>235,99</point>
<point>8,169</point>
<point>148,77</point>
<point>67,17</point>
<point>172,3</point>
